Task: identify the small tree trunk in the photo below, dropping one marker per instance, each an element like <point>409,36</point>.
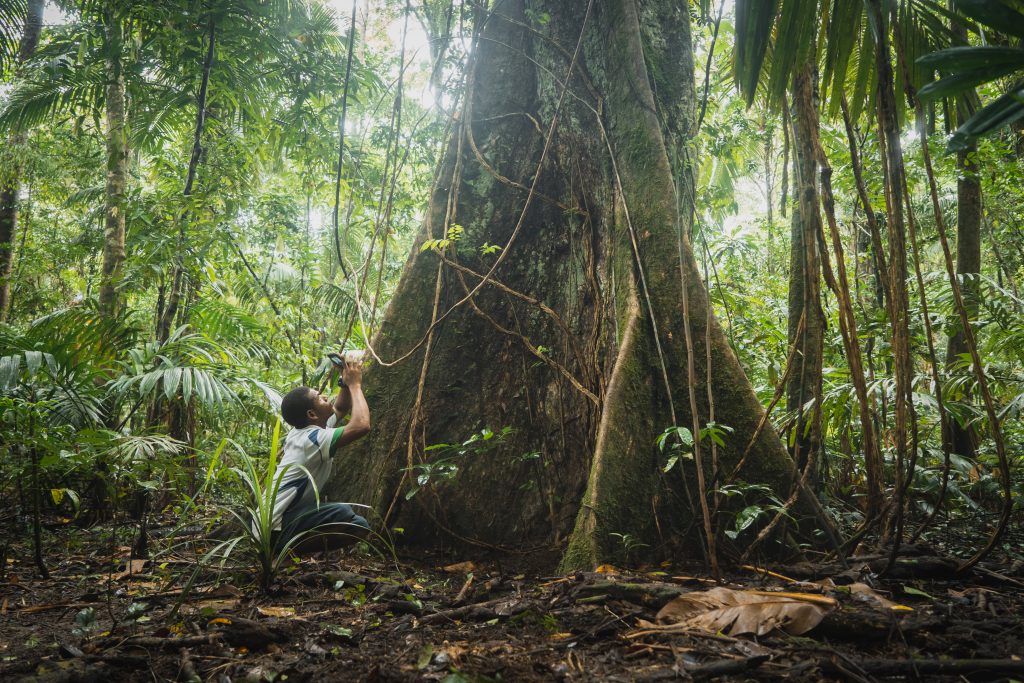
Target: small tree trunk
<point>10,180</point>
<point>117,170</point>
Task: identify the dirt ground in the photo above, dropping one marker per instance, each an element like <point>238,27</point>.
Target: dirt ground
<point>355,617</point>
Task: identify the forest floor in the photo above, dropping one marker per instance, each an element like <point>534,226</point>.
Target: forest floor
<point>349,617</point>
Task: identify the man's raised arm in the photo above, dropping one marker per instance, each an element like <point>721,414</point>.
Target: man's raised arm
<point>359,425</point>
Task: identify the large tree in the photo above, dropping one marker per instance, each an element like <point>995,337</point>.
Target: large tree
<point>591,332</point>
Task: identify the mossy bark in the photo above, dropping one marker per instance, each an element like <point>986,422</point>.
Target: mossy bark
<point>582,463</point>
<point>805,381</point>
<point>117,170</point>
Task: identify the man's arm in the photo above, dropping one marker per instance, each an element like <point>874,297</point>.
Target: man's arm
<point>342,403</point>
<point>359,425</point>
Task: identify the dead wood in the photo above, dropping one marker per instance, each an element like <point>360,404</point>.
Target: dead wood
<point>654,594</point>
<point>929,667</point>
<point>157,643</point>
<point>481,611</point>
<point>245,632</point>
<point>924,567</point>
<point>382,589</point>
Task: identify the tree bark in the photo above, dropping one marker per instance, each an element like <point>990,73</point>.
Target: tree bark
<point>894,181</point>
<point>117,170</point>
<point>578,344</point>
<point>962,439</point>
<point>805,381</point>
<point>10,180</point>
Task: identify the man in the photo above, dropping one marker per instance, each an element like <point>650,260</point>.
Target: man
<point>312,443</point>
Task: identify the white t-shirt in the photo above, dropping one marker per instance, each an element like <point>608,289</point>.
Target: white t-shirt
<point>309,447</point>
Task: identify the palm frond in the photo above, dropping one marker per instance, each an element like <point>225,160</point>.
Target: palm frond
<point>12,20</point>
<point>60,89</point>
<point>754,20</point>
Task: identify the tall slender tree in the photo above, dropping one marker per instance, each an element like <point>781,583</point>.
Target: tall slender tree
<point>117,165</point>
<point>10,177</point>
<point>961,438</point>
<point>805,275</point>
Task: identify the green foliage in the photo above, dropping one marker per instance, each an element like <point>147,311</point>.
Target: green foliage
<point>759,504</point>
<point>257,544</point>
<point>443,465</point>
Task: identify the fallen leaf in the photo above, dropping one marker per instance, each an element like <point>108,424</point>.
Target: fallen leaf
<point>337,630</point>
<point>133,567</point>
<point>606,569</point>
<point>225,590</point>
<point>817,599</point>
<point>220,620</point>
<point>767,572</point>
<point>426,654</point>
<point>217,605</point>
<point>460,568</point>
<point>737,612</point>
<point>276,611</point>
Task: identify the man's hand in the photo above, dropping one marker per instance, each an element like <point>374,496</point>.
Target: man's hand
<point>352,373</point>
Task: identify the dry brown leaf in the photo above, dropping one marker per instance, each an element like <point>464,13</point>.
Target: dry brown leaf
<point>276,611</point>
<point>133,567</point>
<point>224,590</point>
<point>816,598</point>
<point>217,605</point>
<point>460,568</point>
<point>738,612</point>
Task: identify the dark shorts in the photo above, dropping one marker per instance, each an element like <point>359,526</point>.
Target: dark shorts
<point>300,519</point>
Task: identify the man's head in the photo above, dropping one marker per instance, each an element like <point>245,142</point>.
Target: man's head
<point>302,407</point>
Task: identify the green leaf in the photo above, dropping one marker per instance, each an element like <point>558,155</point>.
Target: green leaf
<point>966,80</point>
<point>1002,112</point>
<point>33,360</point>
<point>754,20</point>
<point>426,654</point>
<point>964,58</point>
<point>337,630</point>
<point>995,14</point>
<point>186,384</point>
<point>172,380</point>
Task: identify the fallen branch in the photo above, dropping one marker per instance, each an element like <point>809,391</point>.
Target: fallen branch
<point>653,594</point>
<point>929,667</point>
<point>481,611</point>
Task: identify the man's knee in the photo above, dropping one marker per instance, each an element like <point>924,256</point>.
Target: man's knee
<point>343,514</point>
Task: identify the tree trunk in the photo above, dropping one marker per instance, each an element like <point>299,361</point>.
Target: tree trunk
<point>962,439</point>
<point>805,276</point>
<point>577,340</point>
<point>10,180</point>
<point>117,171</point>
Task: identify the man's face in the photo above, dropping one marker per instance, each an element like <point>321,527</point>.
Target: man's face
<point>321,409</point>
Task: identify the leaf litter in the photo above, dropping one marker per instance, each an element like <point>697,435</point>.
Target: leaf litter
<point>357,618</point>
